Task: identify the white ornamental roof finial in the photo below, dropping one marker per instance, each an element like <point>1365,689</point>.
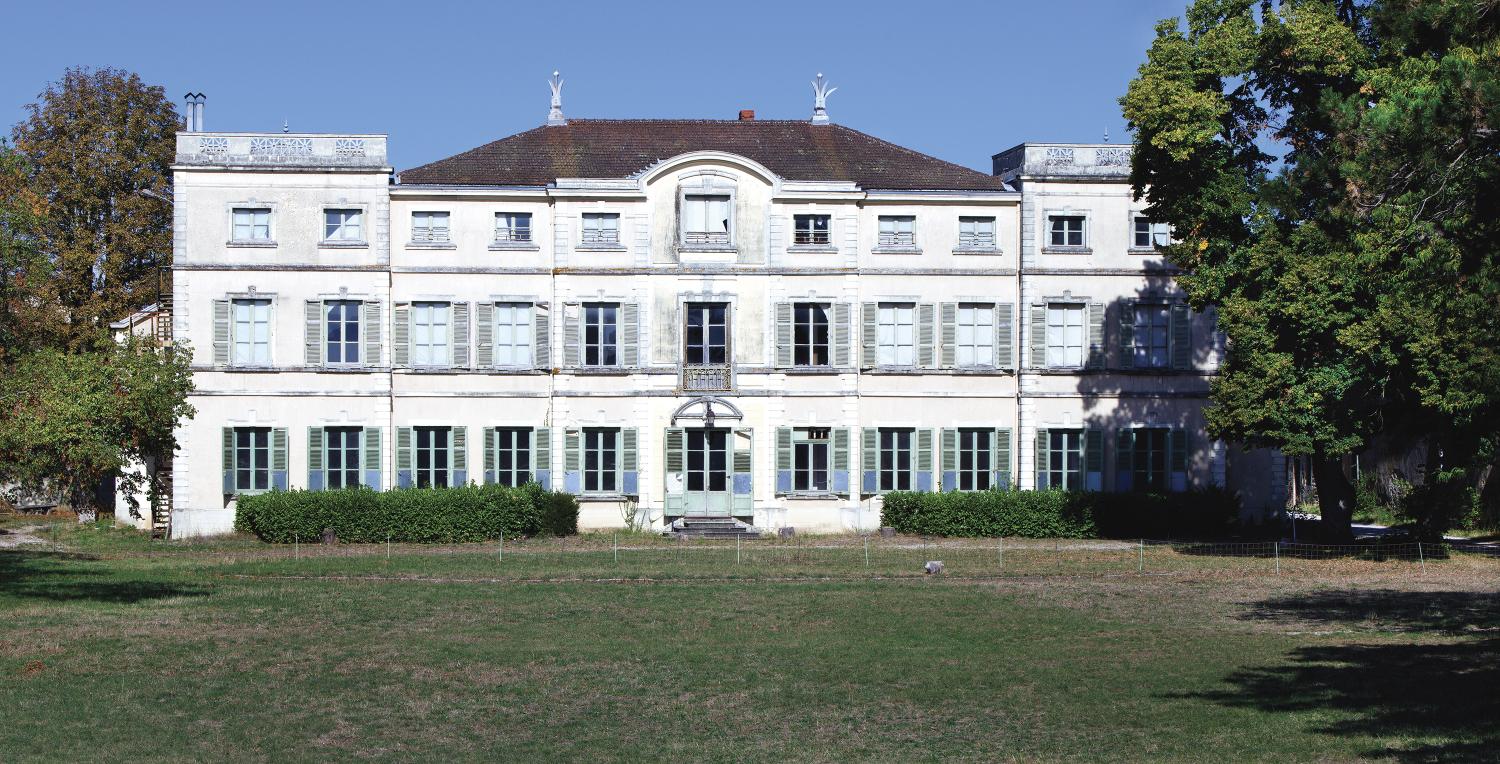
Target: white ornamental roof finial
<point>555,116</point>
<point>821,91</point>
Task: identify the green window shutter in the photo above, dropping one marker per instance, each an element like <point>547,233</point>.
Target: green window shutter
<point>1041,459</point>
<point>869,457</point>
<point>1127,334</point>
<point>1005,351</point>
<point>221,335</point>
<point>1182,337</point>
<point>1095,358</point>
<point>401,336</point>
<point>949,442</point>
<point>370,331</point>
<point>783,459</point>
<point>630,334</point>
<point>1124,459</point>
<point>488,434</point>
<point>674,459</point>
<point>317,478</point>
<point>541,323</point>
<point>949,315</point>
<point>843,346</point>
<point>404,440</point>
<point>840,459</point>
<point>923,479</point>
<point>484,335</point>
<point>458,455</point>
<point>784,356</point>
<point>1177,459</point>
<point>742,482</point>
<point>278,458</point>
<point>573,460</point>
<point>228,463</point>
<point>1039,336</point>
<point>312,352</point>
<point>926,335</point>
<point>868,333</point>
<point>630,476</point>
<point>372,458</point>
<point>572,340</point>
<point>541,461</point>
<point>1093,460</point>
<point>459,328</point>
<point>1001,458</point>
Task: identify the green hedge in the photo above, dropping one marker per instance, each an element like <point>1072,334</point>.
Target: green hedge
<point>413,515</point>
<point>1062,514</point>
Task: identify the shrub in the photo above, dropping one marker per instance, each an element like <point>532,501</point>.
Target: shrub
<point>423,515</point>
<point>1061,514</point>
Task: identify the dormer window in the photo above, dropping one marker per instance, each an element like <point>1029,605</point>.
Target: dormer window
<point>706,219</point>
<point>601,228</point>
<point>811,230</point>
<point>976,233</point>
<point>897,231</point>
<point>429,227</point>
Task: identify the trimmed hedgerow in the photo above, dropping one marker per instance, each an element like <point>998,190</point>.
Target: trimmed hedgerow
<point>1062,514</point>
<point>413,515</point>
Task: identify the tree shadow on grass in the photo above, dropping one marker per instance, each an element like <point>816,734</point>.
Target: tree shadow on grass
<point>66,577</point>
<point>1431,701</point>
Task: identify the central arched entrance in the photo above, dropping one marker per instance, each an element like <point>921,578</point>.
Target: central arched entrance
<point>707,460</point>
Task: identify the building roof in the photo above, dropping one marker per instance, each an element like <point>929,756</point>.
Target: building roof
<point>622,148</point>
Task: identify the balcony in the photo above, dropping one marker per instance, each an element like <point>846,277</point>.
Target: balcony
<point>706,238</point>
<point>713,378</point>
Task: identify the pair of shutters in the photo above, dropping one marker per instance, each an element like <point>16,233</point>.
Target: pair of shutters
<point>458,456</point>
<point>1092,477</point>
<point>484,336</point>
<point>741,470</point>
<point>838,460</point>
<point>1179,336</point>
<point>278,460</point>
<point>1005,316</point>
<point>1177,451</point>
<point>999,458</point>
<point>370,461</point>
<point>541,455</point>
<point>627,334</point>
<point>921,460</point>
<point>1094,323</point>
<point>458,335</point>
<point>627,459</point>
<point>315,316</point>
<point>838,334</point>
<point>926,355</point>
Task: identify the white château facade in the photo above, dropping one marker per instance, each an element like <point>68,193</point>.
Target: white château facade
<point>772,320</point>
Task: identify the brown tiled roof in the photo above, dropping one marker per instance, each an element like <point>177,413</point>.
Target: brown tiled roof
<point>621,148</point>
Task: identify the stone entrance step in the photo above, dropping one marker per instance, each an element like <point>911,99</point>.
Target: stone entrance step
<point>711,527</point>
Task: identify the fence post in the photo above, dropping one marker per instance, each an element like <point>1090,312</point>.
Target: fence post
<point>1422,558</point>
<point>297,545</point>
<point>615,546</point>
<point>736,550</point>
<point>1276,552</point>
<point>502,547</point>
<point>388,547</point>
<point>1141,562</point>
<point>867,552</point>
<point>1000,553</point>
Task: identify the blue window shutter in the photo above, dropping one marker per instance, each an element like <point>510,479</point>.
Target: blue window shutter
<point>1001,461</point>
<point>573,461</point>
<point>228,440</point>
<point>1177,459</point>
<point>742,461</point>
<point>1127,334</point>
<point>372,458</point>
<point>1124,459</point>
<point>488,435</point>
<point>316,474</point>
<point>541,456</point>
<point>404,440</point>
<point>949,443</point>
<point>458,450</point>
<point>783,460</point>
<point>1040,459</point>
<point>1093,459</point>
<point>840,467</point>
<point>923,462</point>
<point>674,462</point>
<point>221,337</point>
<point>869,455</point>
<point>1182,337</point>
<point>278,458</point>
<point>630,477</point>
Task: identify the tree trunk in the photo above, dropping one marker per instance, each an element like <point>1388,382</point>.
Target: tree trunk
<point>1335,499</point>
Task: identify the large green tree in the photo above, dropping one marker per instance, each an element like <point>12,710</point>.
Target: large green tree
<point>1331,171</point>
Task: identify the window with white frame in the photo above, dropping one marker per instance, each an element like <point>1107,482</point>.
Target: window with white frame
<point>975,334</point>
<point>1065,334</point>
<point>976,232</point>
<point>251,329</point>
<point>897,231</point>
<point>251,224</point>
<point>513,334</point>
<point>705,218</point>
<point>1149,332</point>
<point>896,456</point>
<point>1065,231</point>
<point>430,334</point>
<point>1063,462</point>
<point>975,453</point>
<point>810,345</point>
<point>896,334</point>
<point>343,225</point>
<point>342,455</point>
<point>429,227</point>
<point>600,338</point>
<point>811,229</point>
<point>601,459</point>
<point>252,459</point>
<point>601,228</point>
<point>512,455</point>
<point>512,227</point>
<point>810,459</point>
<point>1149,235</point>
<point>341,331</point>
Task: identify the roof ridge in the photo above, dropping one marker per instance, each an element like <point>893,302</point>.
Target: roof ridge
<point>913,152</point>
<point>696,120</point>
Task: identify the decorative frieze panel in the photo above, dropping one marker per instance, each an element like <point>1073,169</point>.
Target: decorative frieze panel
<point>1112,157</point>
<point>279,146</point>
<point>1056,155</point>
<point>348,147</point>
<point>213,146</point>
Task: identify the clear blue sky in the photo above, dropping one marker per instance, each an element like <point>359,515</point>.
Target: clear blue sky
<point>960,81</point>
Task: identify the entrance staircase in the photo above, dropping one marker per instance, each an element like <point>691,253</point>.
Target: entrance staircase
<point>711,528</point>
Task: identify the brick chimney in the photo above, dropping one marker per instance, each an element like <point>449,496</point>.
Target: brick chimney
<point>747,115</point>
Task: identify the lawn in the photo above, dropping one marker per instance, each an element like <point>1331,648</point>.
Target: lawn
<point>114,648</point>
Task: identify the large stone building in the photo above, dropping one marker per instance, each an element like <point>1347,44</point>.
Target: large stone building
<point>771,320</point>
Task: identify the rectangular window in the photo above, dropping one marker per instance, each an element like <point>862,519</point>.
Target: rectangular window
<point>512,226</point>
<point>1064,334</point>
<point>896,335</point>
<point>430,334</point>
<point>1149,334</point>
<point>343,455</point>
<point>810,345</point>
<point>1149,460</point>
<point>975,335</point>
<point>429,227</point>
<point>600,334</point>
<point>1065,231</point>
<point>251,224</point>
<point>978,233</point>
<point>897,231</point>
<point>512,456</point>
<point>252,332</point>
<point>705,218</point>
<point>601,459</point>
<point>1064,467</point>
<point>513,334</point>
<point>810,459</point>
<point>601,228</point>
<point>975,451</point>
<point>433,456</point>
<point>341,327</point>
<point>252,459</point>
<point>1149,235</point>
<point>895,459</point>
<point>811,229</point>
<point>706,335</point>
<point>343,225</point>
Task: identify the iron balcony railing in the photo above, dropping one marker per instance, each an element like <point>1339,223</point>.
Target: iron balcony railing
<point>976,240</point>
<point>897,239</point>
<point>711,378</point>
<point>811,237</point>
<point>705,237</point>
<point>512,234</point>
<point>601,236</point>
